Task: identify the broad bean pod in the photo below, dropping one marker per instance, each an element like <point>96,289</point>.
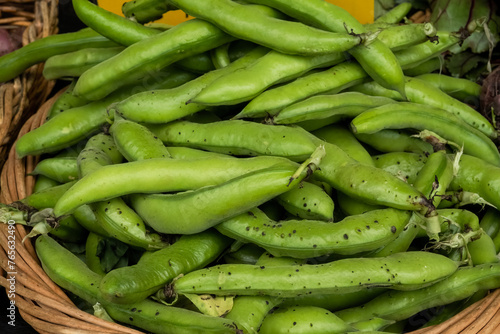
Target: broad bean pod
<point>73,64</point>
<point>462,89</point>
<point>144,11</point>
<point>237,137</point>
<point>312,238</point>
<point>135,141</point>
<point>402,271</point>
<point>66,101</point>
<point>337,107</point>
<point>150,106</point>
<point>402,36</point>
<point>479,177</point>
<point>14,63</point>
<point>395,14</point>
<point>273,68</point>
<point>308,201</point>
<point>137,282</point>
<point>375,57</point>
<point>434,119</point>
<point>76,124</point>
<point>159,175</point>
<point>60,169</point>
<point>149,56</point>
<point>281,35</point>
<point>195,211</point>
<point>72,274</point>
<point>398,305</point>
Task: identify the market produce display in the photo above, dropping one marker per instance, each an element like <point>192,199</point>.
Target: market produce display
<point>266,167</point>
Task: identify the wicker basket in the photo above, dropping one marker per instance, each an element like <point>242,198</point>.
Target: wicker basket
<point>47,309</point>
<point>22,96</point>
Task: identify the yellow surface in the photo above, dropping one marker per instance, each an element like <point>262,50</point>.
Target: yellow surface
<point>363,10</point>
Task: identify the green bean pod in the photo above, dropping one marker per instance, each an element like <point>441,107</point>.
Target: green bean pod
<point>331,80</point>
<point>462,89</point>
<point>135,141</point>
<point>420,53</point>
<point>402,36</point>
<point>490,222</point>
<point>443,123</point>
<point>76,124</point>
<point>237,137</point>
<point>394,141</point>
<point>273,68</point>
<point>313,238</point>
<point>72,274</point>
<point>367,183</point>
<point>398,305</point>
<point>14,63</point>
<point>303,319</point>
<point>73,64</point>
<point>148,56</point>
<point>308,201</point>
<point>339,106</point>
<point>401,271</point>
<point>197,210</point>
<point>375,57</point>
<point>159,175</point>
<point>395,14</point>
<point>435,63</point>
<point>106,22</point>
<point>482,250</point>
<point>137,282</point>
<point>150,107</point>
<point>144,11</point>
<point>281,35</point>
<point>61,169</point>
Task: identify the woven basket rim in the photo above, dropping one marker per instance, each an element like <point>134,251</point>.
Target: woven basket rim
<point>41,297</point>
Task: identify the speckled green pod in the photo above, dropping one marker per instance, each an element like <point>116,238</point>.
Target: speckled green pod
<point>401,271</point>
<point>312,238</point>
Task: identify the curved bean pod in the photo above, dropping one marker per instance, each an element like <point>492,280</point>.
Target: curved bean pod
<point>150,106</point>
<point>61,169</point>
<point>308,201</point>
<point>284,36</point>
<point>375,57</point>
<point>395,305</point>
<point>73,64</point>
<point>233,137</point>
<point>273,68</point>
<point>339,106</point>
<point>462,89</point>
<point>479,177</point>
<point>137,282</point>
<point>158,175</point>
<point>194,211</point>
<point>14,63</point>
<point>148,56</point>
<point>311,238</point>
<point>401,271</point>
<point>72,274</point>
<point>395,14</point>
<point>135,141</point>
<point>405,165</point>
<point>445,124</point>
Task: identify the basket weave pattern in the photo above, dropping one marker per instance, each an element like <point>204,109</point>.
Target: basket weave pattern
<point>22,96</point>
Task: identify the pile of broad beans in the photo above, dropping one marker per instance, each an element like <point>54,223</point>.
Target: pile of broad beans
<point>268,166</point>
